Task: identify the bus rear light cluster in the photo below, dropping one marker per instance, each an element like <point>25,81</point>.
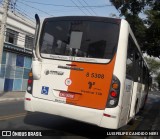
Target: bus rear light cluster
<point>28,99</point>
<point>113,96</point>
<point>112,102</point>
<point>30,83</point>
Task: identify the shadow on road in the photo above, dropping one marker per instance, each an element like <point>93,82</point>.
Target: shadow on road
<point>62,126</point>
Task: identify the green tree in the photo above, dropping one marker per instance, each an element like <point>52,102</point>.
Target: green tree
<point>154,67</point>
<point>146,31</point>
<point>152,43</point>
<point>158,80</point>
<point>138,28</point>
<point>133,7</point>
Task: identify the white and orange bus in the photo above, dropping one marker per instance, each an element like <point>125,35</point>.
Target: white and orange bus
<point>89,69</point>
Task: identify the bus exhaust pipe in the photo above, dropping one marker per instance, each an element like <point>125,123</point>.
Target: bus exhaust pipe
<point>36,35</point>
<point>36,64</point>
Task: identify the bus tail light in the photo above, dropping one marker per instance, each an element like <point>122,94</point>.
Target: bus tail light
<point>114,93</point>
<point>30,82</point>
<point>28,99</point>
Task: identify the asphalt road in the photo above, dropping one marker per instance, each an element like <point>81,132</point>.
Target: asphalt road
<point>13,117</point>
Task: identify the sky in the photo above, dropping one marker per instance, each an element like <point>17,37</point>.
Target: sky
<point>50,8</point>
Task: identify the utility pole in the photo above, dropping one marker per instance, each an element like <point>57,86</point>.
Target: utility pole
<point>3,26</point>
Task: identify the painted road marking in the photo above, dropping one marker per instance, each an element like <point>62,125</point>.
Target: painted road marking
<point>2,118</point>
<point>6,100</point>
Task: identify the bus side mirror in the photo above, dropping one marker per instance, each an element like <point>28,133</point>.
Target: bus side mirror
<point>36,69</point>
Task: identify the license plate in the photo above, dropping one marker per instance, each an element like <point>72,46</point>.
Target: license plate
<point>66,95</point>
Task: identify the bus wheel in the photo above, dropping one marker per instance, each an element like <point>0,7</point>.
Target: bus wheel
<point>143,106</point>
<point>144,103</point>
<point>131,122</point>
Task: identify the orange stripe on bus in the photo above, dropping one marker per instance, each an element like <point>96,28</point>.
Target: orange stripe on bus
<point>93,83</point>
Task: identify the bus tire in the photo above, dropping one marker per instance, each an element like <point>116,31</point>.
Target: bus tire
<point>144,103</point>
<point>143,106</point>
<point>131,122</point>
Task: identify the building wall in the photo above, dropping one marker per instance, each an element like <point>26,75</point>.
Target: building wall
<point>17,59</point>
<point>14,72</point>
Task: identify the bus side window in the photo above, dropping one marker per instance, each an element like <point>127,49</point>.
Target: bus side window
<point>129,63</point>
<point>137,66</point>
<point>145,77</point>
<point>142,71</point>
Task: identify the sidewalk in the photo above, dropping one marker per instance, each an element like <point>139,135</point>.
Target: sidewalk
<point>12,96</point>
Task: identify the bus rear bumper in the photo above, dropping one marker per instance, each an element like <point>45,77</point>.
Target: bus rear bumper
<point>110,118</point>
<point>87,115</point>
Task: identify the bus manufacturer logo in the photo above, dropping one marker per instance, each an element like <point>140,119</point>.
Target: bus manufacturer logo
<point>46,72</point>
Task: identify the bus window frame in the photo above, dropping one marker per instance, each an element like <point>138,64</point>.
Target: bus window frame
<point>110,60</point>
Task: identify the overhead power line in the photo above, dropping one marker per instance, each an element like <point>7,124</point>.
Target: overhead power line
<point>28,13</point>
<point>78,7</point>
<point>25,15</point>
<point>85,7</point>
<point>35,8</point>
<point>90,7</point>
<point>19,13</point>
<point>60,5</point>
<point>3,26</point>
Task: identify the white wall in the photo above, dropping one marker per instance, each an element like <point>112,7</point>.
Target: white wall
<point>24,27</point>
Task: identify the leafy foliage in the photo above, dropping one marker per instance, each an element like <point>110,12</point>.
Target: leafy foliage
<point>154,65</point>
<point>138,28</point>
<point>146,31</point>
<point>134,7</point>
<point>152,46</point>
<point>158,80</point>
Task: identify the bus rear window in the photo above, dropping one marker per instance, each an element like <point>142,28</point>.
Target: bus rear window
<point>87,39</point>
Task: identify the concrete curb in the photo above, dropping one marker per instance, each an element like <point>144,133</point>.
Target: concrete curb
<point>12,96</point>
<point>10,99</point>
